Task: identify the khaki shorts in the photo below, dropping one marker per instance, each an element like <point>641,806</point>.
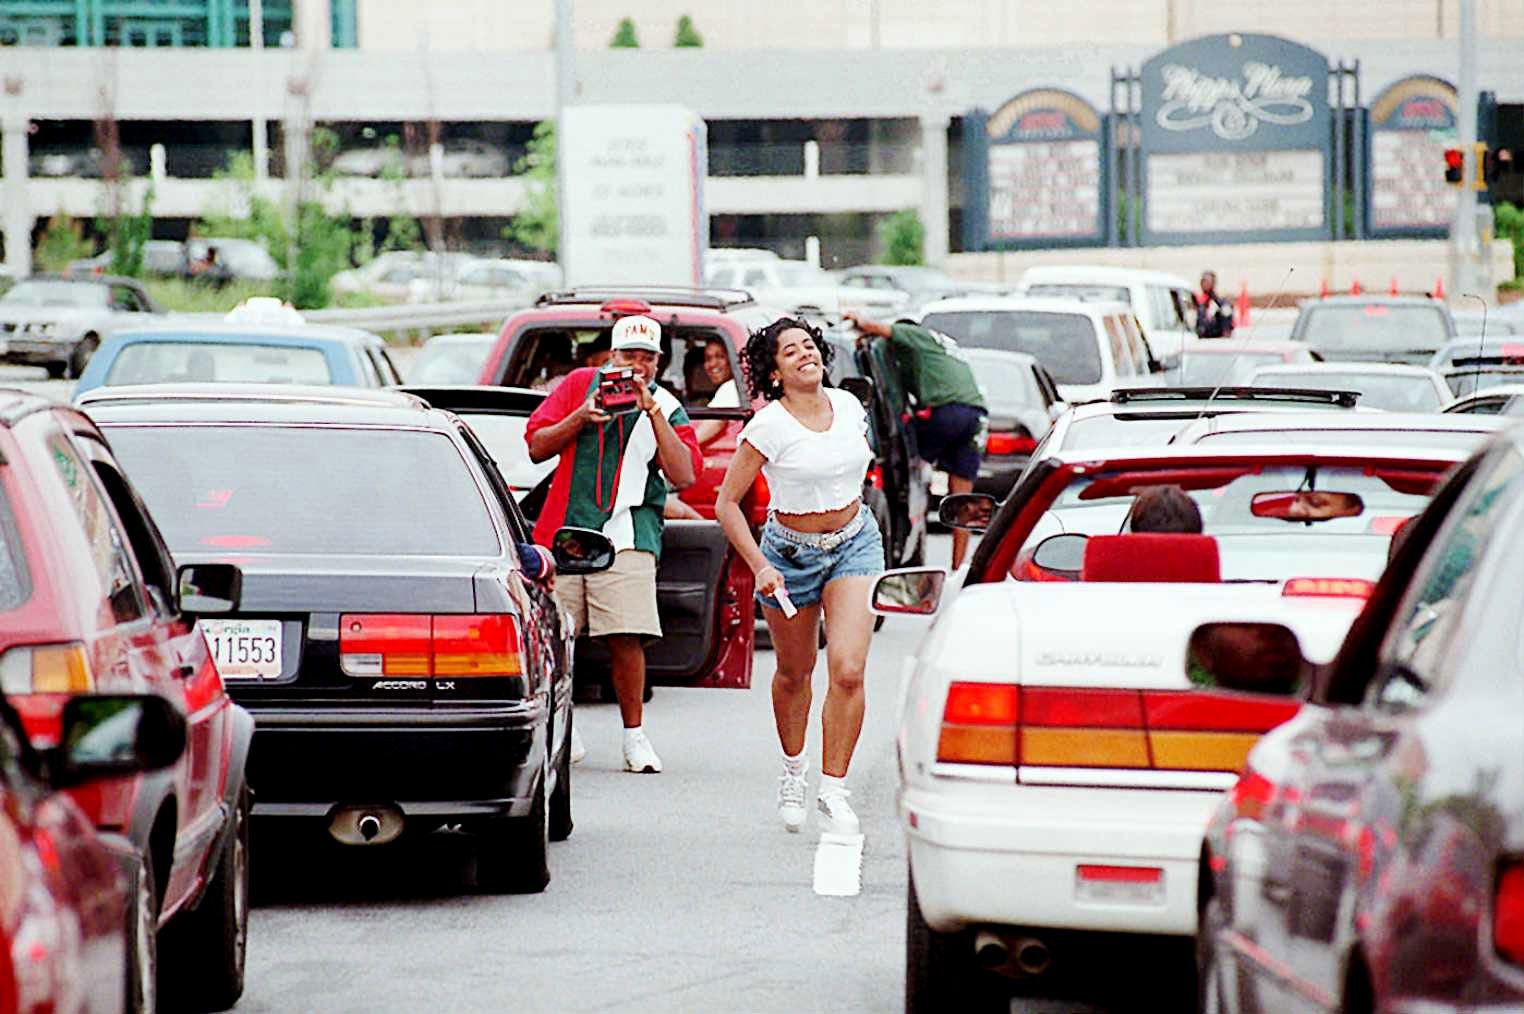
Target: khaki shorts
<point>620,600</point>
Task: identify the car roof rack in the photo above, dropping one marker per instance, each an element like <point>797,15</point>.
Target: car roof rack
<point>666,295</point>
<point>1310,396</point>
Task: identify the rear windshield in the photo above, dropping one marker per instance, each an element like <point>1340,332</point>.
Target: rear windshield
<point>1065,343</point>
<point>1450,440</point>
<point>296,490</point>
<point>1394,393</point>
<point>451,362</point>
<point>1004,383</point>
<point>1080,290</point>
<point>1203,369</point>
<point>1120,431</point>
<point>1473,380</point>
<point>543,355</point>
<point>171,362</point>
<point>15,585</point>
<point>1376,326</point>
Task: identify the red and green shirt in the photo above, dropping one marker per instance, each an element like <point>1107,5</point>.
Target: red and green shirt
<point>609,478</point>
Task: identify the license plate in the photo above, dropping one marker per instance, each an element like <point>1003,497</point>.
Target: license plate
<point>245,649</point>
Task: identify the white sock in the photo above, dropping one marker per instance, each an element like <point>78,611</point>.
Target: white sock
<point>833,786</point>
<point>630,735</point>
<point>794,765</point>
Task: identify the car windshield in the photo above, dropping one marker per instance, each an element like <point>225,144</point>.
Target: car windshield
<point>1006,384</point>
<point>1464,382</point>
<point>457,362</point>
<point>1203,369</point>
<point>1388,391</point>
<point>307,490</point>
<point>230,362</point>
<point>1065,343</point>
<point>1082,290</point>
<point>503,436</point>
<point>1375,326</point>
<point>1448,440</point>
<point>55,292</point>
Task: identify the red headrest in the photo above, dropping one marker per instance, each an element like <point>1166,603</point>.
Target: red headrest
<point>1152,556</point>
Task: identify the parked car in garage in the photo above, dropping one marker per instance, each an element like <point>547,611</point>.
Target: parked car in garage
<point>58,321</point>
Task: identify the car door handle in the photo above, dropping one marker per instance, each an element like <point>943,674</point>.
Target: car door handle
<point>185,671</point>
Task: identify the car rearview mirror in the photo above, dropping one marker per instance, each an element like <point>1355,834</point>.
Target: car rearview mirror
<point>207,589</point>
<point>1260,658</point>
<point>104,736</point>
<point>581,551</point>
<point>860,388</point>
<point>914,592</point>
<point>969,511</point>
<point>1306,505</point>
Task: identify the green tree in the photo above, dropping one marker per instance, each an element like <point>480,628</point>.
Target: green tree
<point>127,231</point>
<point>537,226</point>
<point>1510,226</point>
<point>902,238</point>
<point>62,242</point>
<point>624,35</point>
<point>687,36</point>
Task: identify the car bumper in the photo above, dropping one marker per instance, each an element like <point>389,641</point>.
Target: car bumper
<point>1009,854</point>
<point>476,762</point>
<point>36,350</point>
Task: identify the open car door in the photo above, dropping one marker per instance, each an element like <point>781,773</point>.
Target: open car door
<point>704,591</point>
<point>902,480</point>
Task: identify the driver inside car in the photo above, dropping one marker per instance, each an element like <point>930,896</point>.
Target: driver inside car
<point>1163,509</point>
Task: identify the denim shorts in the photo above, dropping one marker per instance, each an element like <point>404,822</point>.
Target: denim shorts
<point>807,569</point>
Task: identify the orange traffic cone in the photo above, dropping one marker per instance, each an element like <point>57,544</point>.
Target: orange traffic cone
<point>1355,289</point>
<point>1393,289</point>
<point>1439,288</point>
<point>1241,310</point>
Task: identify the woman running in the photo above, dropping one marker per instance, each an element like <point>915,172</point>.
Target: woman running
<point>820,550</point>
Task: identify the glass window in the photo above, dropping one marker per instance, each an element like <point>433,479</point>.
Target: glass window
<point>108,549</point>
<point>191,361</point>
<point>1459,441</point>
<point>1392,392</point>
<point>1376,326</point>
<point>15,583</point>
<point>1077,290</point>
<point>1065,343</point>
<point>1121,355</point>
<point>451,362</point>
<point>318,490</point>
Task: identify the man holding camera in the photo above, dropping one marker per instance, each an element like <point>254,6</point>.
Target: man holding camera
<point>622,440</point>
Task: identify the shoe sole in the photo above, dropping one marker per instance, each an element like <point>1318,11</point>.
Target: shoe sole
<point>647,770</point>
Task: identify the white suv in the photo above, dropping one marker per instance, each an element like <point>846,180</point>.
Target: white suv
<point>1162,303</point>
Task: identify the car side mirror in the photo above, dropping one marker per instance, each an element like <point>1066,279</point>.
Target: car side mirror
<point>969,511</point>
<point>1259,658</point>
<point>581,551</point>
<point>207,589</point>
<point>916,592</point>
<point>860,388</point>
<point>104,736</point>
<point>1062,555</point>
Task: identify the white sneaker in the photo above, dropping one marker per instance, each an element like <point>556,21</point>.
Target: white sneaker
<point>836,816</point>
<point>791,792</point>
<point>578,748</point>
<point>639,756</point>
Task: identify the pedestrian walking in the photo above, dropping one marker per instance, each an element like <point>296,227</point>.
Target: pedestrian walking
<point>818,553</point>
<point>622,440</point>
<point>1214,315</point>
<point>950,409</point>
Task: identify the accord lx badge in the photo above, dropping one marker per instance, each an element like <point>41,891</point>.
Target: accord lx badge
<point>1109,658</point>
<point>400,685</point>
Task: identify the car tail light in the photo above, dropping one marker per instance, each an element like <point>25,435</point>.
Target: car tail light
<point>1328,588</point>
<point>1082,728</point>
<point>625,306</point>
<point>1508,913</point>
<point>979,724</point>
<point>46,669</point>
<point>1003,443</point>
<point>410,644</point>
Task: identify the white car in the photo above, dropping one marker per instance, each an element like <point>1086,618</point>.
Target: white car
<point>1392,387</point>
<point>1503,399</point>
<point>795,285</point>
<point>1164,304</point>
<point>391,275</point>
<point>1089,348</point>
<point>486,280</point>
<point>1058,761</point>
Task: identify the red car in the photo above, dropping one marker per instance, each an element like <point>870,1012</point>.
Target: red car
<point>90,602</point>
<point>63,938</point>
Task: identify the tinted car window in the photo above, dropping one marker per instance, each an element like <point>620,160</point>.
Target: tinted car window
<point>169,362</point>
<point>1375,326</point>
<point>1063,342</point>
<point>15,584</point>
<point>287,489</point>
<point>108,548</point>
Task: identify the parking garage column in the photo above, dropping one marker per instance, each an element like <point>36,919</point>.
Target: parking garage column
<point>18,218</point>
<point>934,185</point>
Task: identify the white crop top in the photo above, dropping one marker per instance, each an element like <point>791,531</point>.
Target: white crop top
<point>809,472</point>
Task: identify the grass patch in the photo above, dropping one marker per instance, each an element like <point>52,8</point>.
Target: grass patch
<point>180,296</point>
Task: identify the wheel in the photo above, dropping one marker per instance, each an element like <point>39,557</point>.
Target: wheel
<point>82,353</point>
<point>142,940</point>
<point>1211,993</point>
<point>205,948</point>
<point>560,800</point>
<point>939,969</point>
<point>513,854</point>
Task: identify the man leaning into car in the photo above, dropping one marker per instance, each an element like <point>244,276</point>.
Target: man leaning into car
<point>613,476</point>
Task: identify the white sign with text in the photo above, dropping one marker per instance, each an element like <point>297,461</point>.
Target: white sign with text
<point>1246,191</point>
<point>1045,188</point>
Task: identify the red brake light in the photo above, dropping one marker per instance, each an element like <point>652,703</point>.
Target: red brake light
<point>476,646</point>
<point>1093,709</point>
<point>1329,588</point>
<point>979,724</point>
<point>408,644</point>
<point>1508,914</point>
<point>625,307</point>
<point>1001,444</point>
<point>981,704</point>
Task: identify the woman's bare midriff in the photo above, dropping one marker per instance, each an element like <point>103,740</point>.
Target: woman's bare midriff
<point>819,522</point>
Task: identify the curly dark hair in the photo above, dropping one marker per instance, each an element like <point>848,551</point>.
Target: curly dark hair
<point>760,356</point>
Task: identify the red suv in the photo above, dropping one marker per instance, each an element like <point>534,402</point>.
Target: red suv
<point>90,602</point>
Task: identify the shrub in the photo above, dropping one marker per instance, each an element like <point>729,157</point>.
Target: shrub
<point>902,238</point>
<point>687,36</point>
<point>624,35</point>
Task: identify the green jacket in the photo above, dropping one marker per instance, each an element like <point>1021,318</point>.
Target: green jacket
<point>933,368</point>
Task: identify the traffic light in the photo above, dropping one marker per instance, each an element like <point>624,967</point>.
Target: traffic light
<point>1455,165</point>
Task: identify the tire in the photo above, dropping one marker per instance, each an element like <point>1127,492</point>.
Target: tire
<point>939,969</point>
<point>142,939</point>
<point>560,800</point>
<point>206,948</point>
<point>83,350</point>
<point>1211,994</point>
<point>513,854</point>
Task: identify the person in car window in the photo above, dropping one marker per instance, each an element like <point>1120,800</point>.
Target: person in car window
<point>1164,509</point>
<point>726,394</point>
<point>950,409</point>
<point>1214,315</point>
<point>819,553</point>
<point>612,477</point>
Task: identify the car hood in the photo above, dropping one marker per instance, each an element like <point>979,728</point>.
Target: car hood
<point>47,315</point>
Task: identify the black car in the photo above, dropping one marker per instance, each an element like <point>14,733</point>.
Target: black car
<point>403,671</point>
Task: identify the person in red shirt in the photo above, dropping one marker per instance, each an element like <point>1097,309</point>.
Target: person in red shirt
<point>613,476</point>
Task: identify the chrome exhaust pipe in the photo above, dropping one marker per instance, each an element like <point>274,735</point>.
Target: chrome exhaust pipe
<point>369,826</point>
<point>990,950</point>
<point>1032,955</point>
<point>373,824</point>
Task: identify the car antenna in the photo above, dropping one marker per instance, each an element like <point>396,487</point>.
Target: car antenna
<point>1221,383</point>
<point>1481,342</point>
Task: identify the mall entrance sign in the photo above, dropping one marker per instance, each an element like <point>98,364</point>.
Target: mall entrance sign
<point>1412,122</point>
<point>1234,139</point>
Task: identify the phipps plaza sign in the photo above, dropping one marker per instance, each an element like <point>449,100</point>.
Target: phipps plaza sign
<point>1233,109</point>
